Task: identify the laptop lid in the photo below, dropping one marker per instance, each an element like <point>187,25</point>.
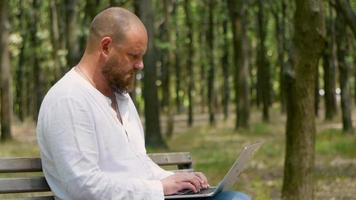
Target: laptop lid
<point>230,177</point>
<point>239,165</point>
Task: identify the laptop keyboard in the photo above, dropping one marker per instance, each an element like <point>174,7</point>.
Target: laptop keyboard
<point>202,191</point>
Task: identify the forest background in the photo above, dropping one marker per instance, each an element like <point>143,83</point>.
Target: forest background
<point>218,74</point>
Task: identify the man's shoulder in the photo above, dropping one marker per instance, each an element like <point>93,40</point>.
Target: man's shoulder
<point>69,86</point>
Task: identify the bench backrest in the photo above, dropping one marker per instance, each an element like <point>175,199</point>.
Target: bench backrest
<point>182,161</point>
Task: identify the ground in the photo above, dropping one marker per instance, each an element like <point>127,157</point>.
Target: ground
<point>215,148</point>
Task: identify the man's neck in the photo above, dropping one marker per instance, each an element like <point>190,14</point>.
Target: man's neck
<point>94,76</point>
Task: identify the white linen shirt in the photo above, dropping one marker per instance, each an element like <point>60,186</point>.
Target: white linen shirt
<point>87,153</point>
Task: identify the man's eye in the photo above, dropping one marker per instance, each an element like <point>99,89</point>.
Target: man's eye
<point>134,56</point>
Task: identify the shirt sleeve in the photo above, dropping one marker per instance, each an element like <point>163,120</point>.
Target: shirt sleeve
<point>71,139</point>
<point>158,172</point>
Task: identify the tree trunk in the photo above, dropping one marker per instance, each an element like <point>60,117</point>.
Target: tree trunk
<point>62,23</point>
<point>344,8</point>
<point>71,28</point>
<point>226,71</point>
<point>38,85</point>
<point>237,10</point>
<point>165,56</point>
<point>189,64</point>
<point>90,10</point>
<point>19,91</point>
<point>5,74</point>
<point>263,72</point>
<point>329,70</point>
<point>308,43</point>
<point>280,25</point>
<point>343,74</point>
<point>55,41</point>
<point>178,100</point>
<point>316,91</point>
<point>354,74</point>
<point>152,122</point>
<point>28,107</point>
<point>202,42</point>
<point>167,65</point>
<point>211,66</point>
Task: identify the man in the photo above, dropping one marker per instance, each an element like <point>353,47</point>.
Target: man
<point>90,135</point>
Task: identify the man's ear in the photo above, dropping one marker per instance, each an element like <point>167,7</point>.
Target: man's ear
<point>105,45</point>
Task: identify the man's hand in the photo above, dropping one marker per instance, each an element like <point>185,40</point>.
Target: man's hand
<point>194,181</point>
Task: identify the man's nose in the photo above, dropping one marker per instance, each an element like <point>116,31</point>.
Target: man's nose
<point>139,65</point>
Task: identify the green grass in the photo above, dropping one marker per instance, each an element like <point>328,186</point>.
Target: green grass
<point>15,148</point>
<point>332,142</point>
<point>214,149</point>
<point>261,129</point>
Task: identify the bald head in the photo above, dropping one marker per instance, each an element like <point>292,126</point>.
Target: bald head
<point>114,22</point>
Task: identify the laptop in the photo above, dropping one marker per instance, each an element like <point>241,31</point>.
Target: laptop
<point>229,179</point>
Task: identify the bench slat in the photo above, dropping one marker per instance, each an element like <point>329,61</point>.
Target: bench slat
<point>20,165</point>
<point>17,185</point>
<point>12,165</point>
<point>37,198</point>
<point>180,158</point>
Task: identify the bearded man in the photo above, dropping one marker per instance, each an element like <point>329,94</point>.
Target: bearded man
<point>89,132</point>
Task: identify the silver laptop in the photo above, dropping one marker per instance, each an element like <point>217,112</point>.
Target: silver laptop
<point>229,179</point>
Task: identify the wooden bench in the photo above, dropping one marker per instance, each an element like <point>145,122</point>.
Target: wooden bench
<point>37,183</point>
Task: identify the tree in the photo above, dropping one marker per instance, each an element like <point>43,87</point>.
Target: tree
<point>225,66</point>
<point>90,10</point>
<point>263,72</point>
<point>55,39</point>
<point>343,74</point>
<point>152,126</point>
<point>316,93</point>
<point>19,74</point>
<point>5,75</point>
<point>38,85</point>
<point>308,43</point>
<point>279,14</point>
<point>211,65</point>
<point>202,55</point>
<point>71,32</point>
<point>344,7</point>
<point>177,64</point>
<point>329,67</point>
<point>237,11</point>
<point>189,64</point>
<point>166,62</point>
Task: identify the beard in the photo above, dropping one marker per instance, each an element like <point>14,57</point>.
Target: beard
<point>117,78</point>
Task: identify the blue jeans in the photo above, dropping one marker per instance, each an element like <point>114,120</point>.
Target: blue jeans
<point>230,196</point>
<point>227,195</point>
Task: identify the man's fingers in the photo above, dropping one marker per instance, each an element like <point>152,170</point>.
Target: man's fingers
<point>201,176</point>
<point>203,179</point>
<point>188,185</point>
<point>193,179</point>
<point>180,181</point>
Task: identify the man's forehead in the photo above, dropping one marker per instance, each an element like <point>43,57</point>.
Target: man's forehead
<point>136,38</point>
